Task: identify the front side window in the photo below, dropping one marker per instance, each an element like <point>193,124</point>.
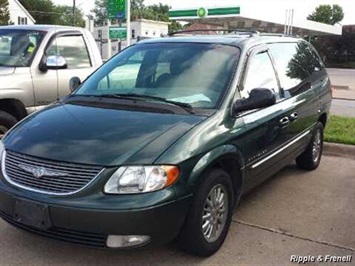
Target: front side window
<point>18,47</point>
<point>197,74</point>
<point>73,49</point>
<point>260,74</point>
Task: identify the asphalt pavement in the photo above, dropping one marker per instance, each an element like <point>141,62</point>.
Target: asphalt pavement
<point>343,107</point>
<point>343,83</point>
<point>294,213</point>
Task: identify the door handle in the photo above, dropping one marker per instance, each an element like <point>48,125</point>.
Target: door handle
<point>284,121</point>
<point>293,117</point>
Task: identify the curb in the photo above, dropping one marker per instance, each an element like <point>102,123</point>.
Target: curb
<point>339,150</point>
<point>344,99</point>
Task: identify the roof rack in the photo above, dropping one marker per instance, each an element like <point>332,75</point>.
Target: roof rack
<point>229,31</point>
<point>278,34</point>
<point>250,33</point>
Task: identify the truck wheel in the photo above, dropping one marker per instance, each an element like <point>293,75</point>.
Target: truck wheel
<point>210,215</point>
<point>7,121</point>
<point>310,158</point>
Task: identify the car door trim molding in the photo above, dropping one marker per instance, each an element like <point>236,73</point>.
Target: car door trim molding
<point>281,149</point>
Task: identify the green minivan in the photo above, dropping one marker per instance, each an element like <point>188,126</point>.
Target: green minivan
<point>161,142</point>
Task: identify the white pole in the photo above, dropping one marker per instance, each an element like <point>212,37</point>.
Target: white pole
<point>109,48</point>
<point>128,19</point>
<point>289,21</point>
<point>285,29</point>
<point>292,21</point>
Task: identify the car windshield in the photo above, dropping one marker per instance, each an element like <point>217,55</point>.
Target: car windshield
<point>196,74</point>
<point>17,47</point>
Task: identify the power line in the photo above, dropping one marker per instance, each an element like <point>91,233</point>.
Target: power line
<point>45,12</point>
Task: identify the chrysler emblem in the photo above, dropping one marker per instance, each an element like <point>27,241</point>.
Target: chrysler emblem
<point>39,172</point>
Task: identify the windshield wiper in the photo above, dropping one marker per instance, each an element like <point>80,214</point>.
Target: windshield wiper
<point>132,96</point>
<point>187,107</point>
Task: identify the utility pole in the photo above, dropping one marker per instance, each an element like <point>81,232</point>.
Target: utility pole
<point>74,7</point>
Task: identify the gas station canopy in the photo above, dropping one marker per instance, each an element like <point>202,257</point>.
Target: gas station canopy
<point>249,18</point>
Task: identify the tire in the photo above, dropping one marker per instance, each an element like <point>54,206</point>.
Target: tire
<point>205,242</point>
<point>311,157</point>
<point>7,121</point>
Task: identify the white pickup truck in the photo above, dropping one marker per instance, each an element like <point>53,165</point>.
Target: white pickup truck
<point>36,64</point>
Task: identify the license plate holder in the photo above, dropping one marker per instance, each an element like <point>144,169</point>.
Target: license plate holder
<point>32,214</point>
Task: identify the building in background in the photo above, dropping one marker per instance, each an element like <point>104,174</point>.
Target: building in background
<point>141,28</point>
<point>19,15</point>
<point>248,17</point>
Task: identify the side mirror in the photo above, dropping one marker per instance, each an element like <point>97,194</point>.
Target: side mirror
<point>258,98</point>
<point>56,62</point>
<point>74,83</point>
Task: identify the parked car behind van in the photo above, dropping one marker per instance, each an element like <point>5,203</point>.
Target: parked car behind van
<point>163,140</point>
<point>36,64</point>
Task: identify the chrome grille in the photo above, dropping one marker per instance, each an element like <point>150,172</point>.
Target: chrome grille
<point>70,178</point>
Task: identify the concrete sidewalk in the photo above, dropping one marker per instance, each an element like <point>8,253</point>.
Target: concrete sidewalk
<point>343,81</point>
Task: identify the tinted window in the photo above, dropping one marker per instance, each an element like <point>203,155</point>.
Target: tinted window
<point>73,49</point>
<point>192,73</point>
<point>296,64</point>
<point>260,74</point>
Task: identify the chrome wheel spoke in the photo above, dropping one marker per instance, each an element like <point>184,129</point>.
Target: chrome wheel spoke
<point>213,231</point>
<point>209,203</point>
<point>206,225</point>
<point>208,230</point>
<point>221,201</point>
<point>206,216</point>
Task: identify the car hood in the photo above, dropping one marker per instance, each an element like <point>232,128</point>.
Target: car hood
<point>99,136</point>
<point>5,71</point>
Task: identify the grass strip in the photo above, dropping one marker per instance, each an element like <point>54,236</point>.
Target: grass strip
<point>340,130</point>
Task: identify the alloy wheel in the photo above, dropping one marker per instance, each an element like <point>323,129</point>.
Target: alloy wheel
<point>214,215</point>
<point>317,145</point>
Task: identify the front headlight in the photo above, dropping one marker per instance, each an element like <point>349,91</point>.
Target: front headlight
<point>2,149</point>
<point>141,179</point>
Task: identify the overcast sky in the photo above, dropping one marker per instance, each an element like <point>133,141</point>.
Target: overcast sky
<point>302,7</point>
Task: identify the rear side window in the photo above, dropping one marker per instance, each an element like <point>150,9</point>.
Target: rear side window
<point>297,64</point>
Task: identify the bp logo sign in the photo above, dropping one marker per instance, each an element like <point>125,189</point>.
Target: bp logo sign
<point>202,12</point>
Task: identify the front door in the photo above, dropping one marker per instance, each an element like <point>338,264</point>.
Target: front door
<point>51,85</point>
<point>264,128</point>
<point>74,50</point>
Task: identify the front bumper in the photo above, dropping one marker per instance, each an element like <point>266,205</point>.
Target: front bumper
<point>91,226</point>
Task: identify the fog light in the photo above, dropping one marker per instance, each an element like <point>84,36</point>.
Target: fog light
<point>126,241</point>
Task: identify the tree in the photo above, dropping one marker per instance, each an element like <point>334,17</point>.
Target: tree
<point>303,63</point>
<point>4,13</point>
<point>100,12</point>
<point>65,16</point>
<point>337,51</point>
<point>138,10</point>
<point>43,11</point>
<point>327,14</point>
<point>160,12</point>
